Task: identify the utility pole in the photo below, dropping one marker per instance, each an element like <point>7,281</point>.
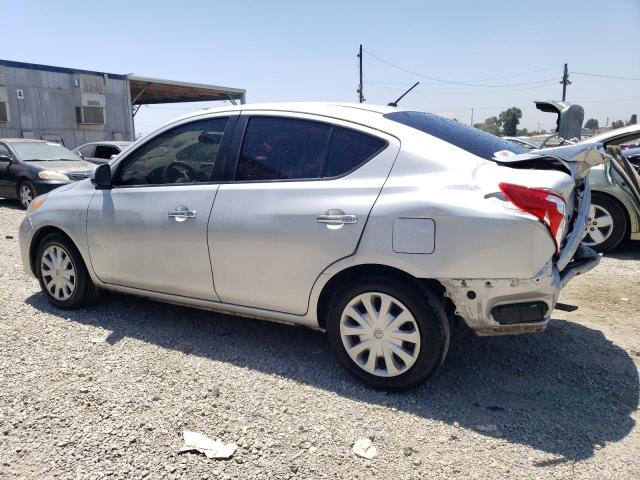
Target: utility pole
<point>471,118</point>
<point>565,81</point>
<point>360,93</point>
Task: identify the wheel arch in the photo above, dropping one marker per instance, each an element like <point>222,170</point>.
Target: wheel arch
<point>355,271</point>
<point>37,238</point>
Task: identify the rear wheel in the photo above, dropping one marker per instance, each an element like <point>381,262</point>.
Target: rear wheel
<point>26,193</point>
<point>606,224</point>
<point>389,334</point>
<point>63,276</point>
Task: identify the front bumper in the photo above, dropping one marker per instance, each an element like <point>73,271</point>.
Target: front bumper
<point>25,234</point>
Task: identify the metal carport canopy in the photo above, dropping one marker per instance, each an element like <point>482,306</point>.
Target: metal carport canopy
<point>146,90</point>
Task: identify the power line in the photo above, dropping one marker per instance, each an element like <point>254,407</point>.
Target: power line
<point>425,92</point>
<point>465,83</point>
<point>605,76</point>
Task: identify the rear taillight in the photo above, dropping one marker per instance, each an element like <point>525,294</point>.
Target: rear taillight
<point>541,203</point>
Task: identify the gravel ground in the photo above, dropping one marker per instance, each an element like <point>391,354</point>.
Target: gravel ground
<point>108,391</point>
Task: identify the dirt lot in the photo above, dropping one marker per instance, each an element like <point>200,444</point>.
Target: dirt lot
<point>107,392</point>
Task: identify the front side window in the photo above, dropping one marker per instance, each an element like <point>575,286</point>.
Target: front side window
<point>184,154</point>
<point>105,151</point>
<point>292,149</point>
<point>4,151</point>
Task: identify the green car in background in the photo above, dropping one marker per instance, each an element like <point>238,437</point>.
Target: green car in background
<point>615,186</point>
<point>615,204</point>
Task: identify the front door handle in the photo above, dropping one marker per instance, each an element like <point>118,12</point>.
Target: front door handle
<point>336,219</point>
<point>180,214</point>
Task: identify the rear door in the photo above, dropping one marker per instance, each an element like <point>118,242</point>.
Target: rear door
<point>297,199</point>
<point>150,230</point>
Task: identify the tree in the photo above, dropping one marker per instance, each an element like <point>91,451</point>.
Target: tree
<point>490,125</point>
<point>617,124</point>
<point>509,119</point>
<point>633,120</point>
<point>591,124</point>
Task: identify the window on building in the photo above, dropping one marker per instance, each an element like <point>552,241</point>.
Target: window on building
<point>4,114</point>
<point>90,115</point>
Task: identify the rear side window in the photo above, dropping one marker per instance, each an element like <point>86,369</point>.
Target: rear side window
<point>350,149</point>
<point>105,151</point>
<point>473,140</point>
<point>289,149</point>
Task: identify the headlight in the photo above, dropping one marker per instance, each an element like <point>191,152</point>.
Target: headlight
<point>49,175</point>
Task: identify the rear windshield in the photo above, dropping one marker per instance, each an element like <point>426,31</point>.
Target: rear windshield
<point>474,141</point>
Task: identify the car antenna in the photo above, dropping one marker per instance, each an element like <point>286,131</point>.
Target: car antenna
<point>395,104</point>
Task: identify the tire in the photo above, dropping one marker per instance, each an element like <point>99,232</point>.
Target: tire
<point>26,192</point>
<point>426,321</point>
<point>608,236</point>
<point>51,273</point>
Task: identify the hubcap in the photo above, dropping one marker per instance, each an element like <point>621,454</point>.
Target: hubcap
<point>599,226</point>
<point>58,272</point>
<point>26,195</point>
<point>380,334</point>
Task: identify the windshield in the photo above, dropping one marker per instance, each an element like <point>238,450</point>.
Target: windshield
<point>36,151</point>
<point>473,140</point>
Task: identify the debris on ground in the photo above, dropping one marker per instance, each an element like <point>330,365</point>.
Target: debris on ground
<point>363,447</point>
<point>487,428</point>
<point>203,444</point>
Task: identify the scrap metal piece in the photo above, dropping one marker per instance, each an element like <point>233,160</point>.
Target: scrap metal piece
<point>203,444</point>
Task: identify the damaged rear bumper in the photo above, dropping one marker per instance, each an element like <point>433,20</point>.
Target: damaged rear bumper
<point>508,306</point>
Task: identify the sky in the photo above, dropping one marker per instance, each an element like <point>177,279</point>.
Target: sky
<point>487,55</point>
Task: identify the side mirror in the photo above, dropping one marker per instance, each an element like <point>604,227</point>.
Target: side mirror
<point>5,159</point>
<point>101,177</point>
<point>114,156</point>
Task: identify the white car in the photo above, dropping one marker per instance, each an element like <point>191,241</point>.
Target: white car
<point>375,224</point>
<point>101,152</point>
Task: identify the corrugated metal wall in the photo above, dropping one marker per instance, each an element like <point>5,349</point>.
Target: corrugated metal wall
<point>47,107</point>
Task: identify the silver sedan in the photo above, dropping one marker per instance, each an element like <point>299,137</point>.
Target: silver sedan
<point>377,225</point>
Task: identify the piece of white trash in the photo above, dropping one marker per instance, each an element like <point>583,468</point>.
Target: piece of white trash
<point>364,448</point>
<point>203,444</point>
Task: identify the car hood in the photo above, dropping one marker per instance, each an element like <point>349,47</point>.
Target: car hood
<point>64,166</point>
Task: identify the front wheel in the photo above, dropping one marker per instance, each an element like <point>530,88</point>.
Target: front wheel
<point>388,333</point>
<point>26,193</point>
<point>63,276</point>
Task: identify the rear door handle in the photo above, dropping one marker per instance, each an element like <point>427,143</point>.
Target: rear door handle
<point>336,219</point>
<point>182,213</point>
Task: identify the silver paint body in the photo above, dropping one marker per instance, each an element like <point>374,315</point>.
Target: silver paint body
<point>256,249</point>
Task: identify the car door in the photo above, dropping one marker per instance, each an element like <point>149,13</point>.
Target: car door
<point>297,200</point>
<point>7,186</point>
<point>150,230</point>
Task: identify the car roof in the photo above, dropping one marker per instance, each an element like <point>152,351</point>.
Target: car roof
<point>109,142</point>
<point>23,140</point>
<point>331,109</point>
